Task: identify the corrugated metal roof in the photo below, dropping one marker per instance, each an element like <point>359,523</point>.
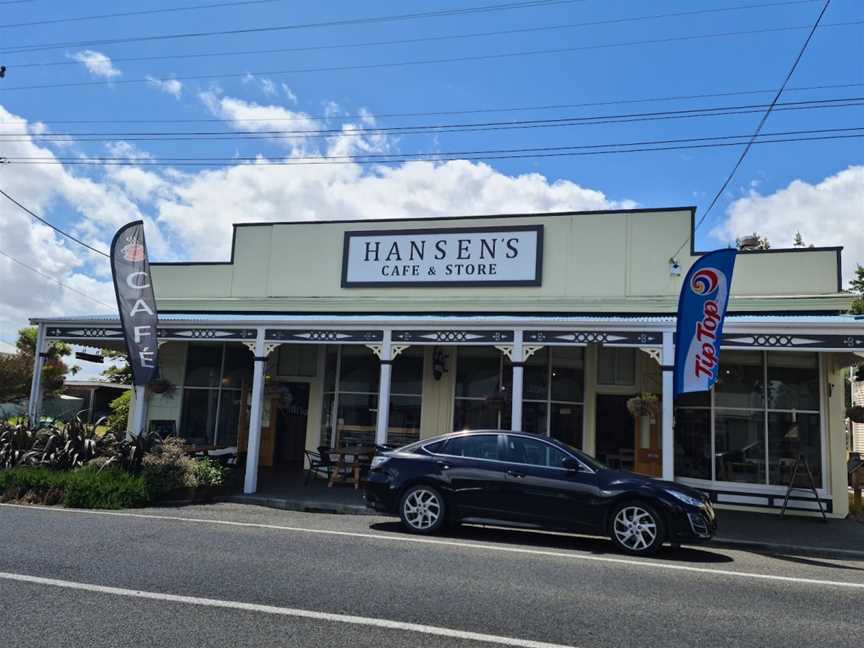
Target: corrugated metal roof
<point>561,319</point>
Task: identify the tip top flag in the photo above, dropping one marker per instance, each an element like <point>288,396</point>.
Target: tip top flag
<point>701,309</point>
<point>135,300</point>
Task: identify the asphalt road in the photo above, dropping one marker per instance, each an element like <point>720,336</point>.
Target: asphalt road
<point>232,575</point>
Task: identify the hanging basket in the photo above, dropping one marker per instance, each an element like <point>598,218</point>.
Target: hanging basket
<point>856,413</point>
<point>644,405</point>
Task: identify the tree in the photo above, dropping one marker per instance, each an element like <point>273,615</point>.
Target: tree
<point>752,242</point>
<point>856,287</point>
<point>16,370</point>
<point>798,241</point>
<point>121,373</point>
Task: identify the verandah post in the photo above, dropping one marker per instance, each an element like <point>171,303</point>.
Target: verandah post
<point>517,358</point>
<point>382,421</point>
<point>253,444</point>
<point>668,402</point>
<point>34,406</point>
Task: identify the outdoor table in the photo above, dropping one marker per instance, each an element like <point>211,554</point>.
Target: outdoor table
<point>341,454</point>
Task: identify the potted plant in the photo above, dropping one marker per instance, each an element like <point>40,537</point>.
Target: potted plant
<point>643,405</point>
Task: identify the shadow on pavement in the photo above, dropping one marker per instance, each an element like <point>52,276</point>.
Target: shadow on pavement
<point>811,561</point>
<point>558,541</point>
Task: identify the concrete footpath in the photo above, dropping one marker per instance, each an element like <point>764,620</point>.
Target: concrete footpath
<point>792,534</point>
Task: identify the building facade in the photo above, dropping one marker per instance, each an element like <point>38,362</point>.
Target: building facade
<point>344,333</point>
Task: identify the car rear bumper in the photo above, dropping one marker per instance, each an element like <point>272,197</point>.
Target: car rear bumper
<point>380,494</point>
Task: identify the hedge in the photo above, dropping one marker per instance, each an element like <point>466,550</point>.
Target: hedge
<point>88,487</point>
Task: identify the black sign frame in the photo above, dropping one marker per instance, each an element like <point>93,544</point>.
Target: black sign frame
<point>458,283</point>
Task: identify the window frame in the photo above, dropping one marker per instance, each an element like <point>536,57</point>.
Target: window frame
<point>766,486</point>
<point>337,392</point>
<point>218,388</point>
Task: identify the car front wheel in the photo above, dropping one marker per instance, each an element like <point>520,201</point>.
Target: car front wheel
<point>422,509</point>
<point>637,529</point>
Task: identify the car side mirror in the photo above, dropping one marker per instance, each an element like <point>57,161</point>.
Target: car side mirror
<point>571,464</point>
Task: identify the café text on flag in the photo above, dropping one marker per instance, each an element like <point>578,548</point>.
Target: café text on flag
<point>135,300</point>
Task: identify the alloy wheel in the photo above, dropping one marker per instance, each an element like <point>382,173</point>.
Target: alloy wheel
<point>635,528</point>
<point>422,509</point>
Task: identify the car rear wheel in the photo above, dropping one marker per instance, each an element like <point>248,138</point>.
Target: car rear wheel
<point>422,509</point>
<point>637,529</point>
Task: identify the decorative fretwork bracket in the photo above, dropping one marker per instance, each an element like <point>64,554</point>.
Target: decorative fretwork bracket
<point>654,353</point>
<point>527,350</point>
<point>395,350</point>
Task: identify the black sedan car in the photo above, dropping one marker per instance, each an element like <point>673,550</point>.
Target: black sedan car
<point>523,480</point>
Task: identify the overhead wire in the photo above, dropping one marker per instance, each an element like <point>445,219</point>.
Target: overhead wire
<point>51,225</point>
<point>238,134</point>
<point>756,132</point>
<point>393,158</point>
<point>435,113</point>
<point>424,39</point>
<point>140,12</point>
<point>525,4</point>
<point>56,281</point>
<point>397,64</point>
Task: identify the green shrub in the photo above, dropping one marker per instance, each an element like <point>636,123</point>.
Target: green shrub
<point>108,488</point>
<point>208,472</point>
<point>168,468</point>
<point>118,420</point>
<point>32,484</point>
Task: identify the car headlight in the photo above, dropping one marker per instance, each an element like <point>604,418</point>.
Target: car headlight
<point>687,499</point>
<point>379,461</point>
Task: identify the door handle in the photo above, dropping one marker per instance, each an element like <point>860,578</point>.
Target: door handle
<point>513,473</point>
<point>444,465</point>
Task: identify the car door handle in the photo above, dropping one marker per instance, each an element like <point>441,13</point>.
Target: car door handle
<point>444,465</point>
<point>513,473</point>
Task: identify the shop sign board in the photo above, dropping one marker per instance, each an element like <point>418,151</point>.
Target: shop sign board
<point>479,257</point>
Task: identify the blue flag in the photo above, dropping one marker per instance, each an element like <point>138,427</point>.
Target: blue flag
<point>701,309</point>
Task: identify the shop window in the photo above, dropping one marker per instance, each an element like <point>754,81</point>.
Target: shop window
<point>297,360</point>
<point>763,414</point>
<point>350,404</point>
<point>212,391</point>
<point>552,392</point>
<point>616,366</point>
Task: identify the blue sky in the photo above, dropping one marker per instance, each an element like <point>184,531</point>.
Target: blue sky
<point>814,187</point>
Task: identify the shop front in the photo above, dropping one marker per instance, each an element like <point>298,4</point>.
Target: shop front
<point>353,334</point>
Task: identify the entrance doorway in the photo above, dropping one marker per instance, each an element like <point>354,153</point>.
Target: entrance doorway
<point>292,410</point>
<point>615,441</point>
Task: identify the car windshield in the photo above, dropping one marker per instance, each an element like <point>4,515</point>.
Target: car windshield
<point>591,462</point>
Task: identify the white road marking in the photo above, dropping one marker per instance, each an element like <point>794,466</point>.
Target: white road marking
<point>453,543</point>
<point>450,633</point>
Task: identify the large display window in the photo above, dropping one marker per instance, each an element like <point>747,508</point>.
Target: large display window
<point>763,413</point>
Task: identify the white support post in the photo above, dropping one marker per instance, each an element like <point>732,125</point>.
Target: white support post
<point>383,419</point>
<point>517,356</point>
<point>253,443</point>
<point>668,402</point>
<point>34,407</point>
<point>139,413</point>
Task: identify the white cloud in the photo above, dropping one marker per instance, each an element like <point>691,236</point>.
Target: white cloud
<point>289,94</point>
<point>97,63</point>
<point>169,86</point>
<point>830,212</point>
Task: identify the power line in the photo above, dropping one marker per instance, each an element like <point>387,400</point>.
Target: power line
<point>536,152</point>
<point>397,64</point>
<point>142,12</point>
<point>172,136</point>
<point>710,95</point>
<point>55,280</point>
<point>526,4</point>
<point>54,227</point>
<point>758,130</point>
<point>425,39</point>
